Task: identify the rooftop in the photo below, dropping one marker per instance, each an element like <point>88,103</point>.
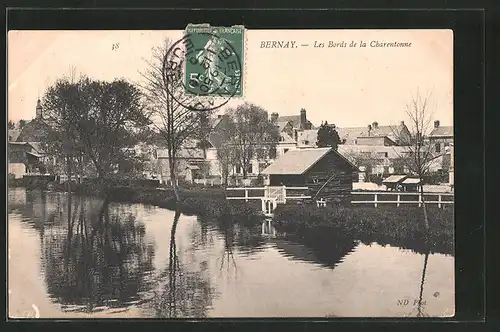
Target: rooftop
<point>392,151</point>
<point>298,161</point>
<point>442,131</point>
<point>394,179</point>
<point>351,133</point>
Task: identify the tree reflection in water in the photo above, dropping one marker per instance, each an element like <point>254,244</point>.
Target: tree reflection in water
<point>100,261</point>
<point>183,293</point>
<point>418,311</point>
<point>227,253</point>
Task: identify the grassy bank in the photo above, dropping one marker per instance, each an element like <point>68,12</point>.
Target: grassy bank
<point>402,226</point>
<point>209,202</point>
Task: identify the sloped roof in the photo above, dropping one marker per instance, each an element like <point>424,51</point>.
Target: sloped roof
<point>33,131</point>
<point>411,181</point>
<point>394,179</point>
<point>351,133</point>
<point>294,119</point>
<point>392,151</point>
<point>442,131</point>
<point>299,161</point>
<point>282,124</point>
<point>14,134</point>
<point>37,146</point>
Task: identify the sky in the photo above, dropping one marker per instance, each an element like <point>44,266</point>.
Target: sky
<point>347,86</point>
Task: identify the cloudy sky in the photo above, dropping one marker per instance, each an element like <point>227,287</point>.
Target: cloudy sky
<point>346,86</point>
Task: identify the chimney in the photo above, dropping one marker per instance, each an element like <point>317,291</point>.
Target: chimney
<point>369,129</point>
<point>303,118</point>
<point>402,123</point>
<point>274,117</point>
<point>375,125</point>
<point>436,124</point>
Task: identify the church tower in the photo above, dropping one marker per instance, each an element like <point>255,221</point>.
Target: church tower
<point>38,109</point>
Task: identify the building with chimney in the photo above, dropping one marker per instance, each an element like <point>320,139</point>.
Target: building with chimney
<point>375,135</point>
<point>440,137</point>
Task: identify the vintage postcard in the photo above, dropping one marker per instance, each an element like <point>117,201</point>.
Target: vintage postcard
<point>223,172</point>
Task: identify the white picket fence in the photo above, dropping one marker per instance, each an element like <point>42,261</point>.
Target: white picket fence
<point>376,201</point>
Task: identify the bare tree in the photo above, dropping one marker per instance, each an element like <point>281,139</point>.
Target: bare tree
<point>417,154</point>
<point>369,160</point>
<point>166,100</point>
<point>248,131</point>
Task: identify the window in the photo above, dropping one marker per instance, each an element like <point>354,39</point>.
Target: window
<point>238,169</point>
<point>249,169</point>
<point>438,147</point>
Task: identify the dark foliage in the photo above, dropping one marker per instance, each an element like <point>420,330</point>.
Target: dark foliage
<point>328,136</point>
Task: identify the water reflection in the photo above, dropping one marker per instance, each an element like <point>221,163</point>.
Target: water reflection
<point>159,263</point>
<point>182,293</point>
<point>326,248</point>
<point>419,310</point>
<point>99,260</point>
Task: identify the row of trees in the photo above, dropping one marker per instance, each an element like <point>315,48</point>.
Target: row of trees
<point>92,125</point>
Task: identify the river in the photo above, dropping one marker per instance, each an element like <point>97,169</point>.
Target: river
<point>75,257</point>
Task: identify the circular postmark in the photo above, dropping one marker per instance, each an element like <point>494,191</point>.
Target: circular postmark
<point>202,71</point>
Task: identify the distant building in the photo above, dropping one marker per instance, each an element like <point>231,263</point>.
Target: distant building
<point>440,137</point>
<point>375,160</point>
<point>373,134</point>
<point>190,163</point>
<point>299,122</point>
<point>25,149</point>
<point>324,171</point>
<point>24,159</point>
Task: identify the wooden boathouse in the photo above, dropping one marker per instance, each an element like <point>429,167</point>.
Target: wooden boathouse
<point>327,174</point>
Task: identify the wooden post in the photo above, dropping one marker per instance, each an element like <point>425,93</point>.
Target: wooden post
<point>419,200</point>
<point>399,198</point>
<point>375,200</point>
<point>263,227</point>
<point>246,195</point>
<point>439,201</point>
<point>284,194</point>
<point>263,205</point>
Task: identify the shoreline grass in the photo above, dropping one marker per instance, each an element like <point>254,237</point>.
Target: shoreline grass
<point>401,226</point>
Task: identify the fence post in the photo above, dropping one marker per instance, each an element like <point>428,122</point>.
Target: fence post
<point>263,205</point>
<point>246,195</point>
<point>375,200</point>
<point>439,201</point>
<point>284,195</point>
<point>399,198</point>
<point>419,200</point>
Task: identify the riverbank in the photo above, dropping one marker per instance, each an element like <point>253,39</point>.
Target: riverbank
<point>402,226</point>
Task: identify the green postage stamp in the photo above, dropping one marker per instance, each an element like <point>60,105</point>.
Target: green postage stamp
<point>214,63</point>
